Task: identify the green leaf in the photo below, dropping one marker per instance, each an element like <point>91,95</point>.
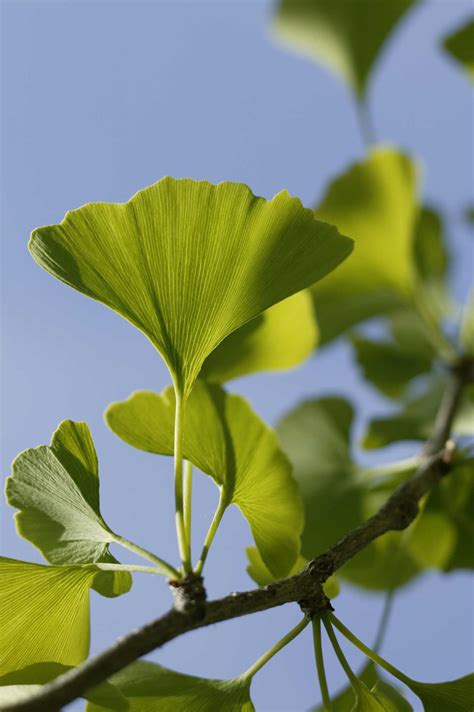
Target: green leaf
<point>415,419</point>
<point>374,202</point>
<point>22,684</point>
<point>387,366</point>
<point>347,37</point>
<point>257,570</point>
<point>452,696</point>
<point>226,440</point>
<point>56,489</point>
<point>372,701</point>
<point>280,338</point>
<point>316,438</point>
<point>151,688</point>
<point>46,608</point>
<point>460,45</point>
<point>188,262</point>
<point>431,256</point>
<point>466,335</point>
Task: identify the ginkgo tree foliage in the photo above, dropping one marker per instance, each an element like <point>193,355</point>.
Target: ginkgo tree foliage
<point>224,283</point>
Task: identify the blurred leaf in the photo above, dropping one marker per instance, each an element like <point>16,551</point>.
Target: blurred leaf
<point>56,489</point>
<point>388,367</point>
<point>460,45</point>
<point>431,257</point>
<point>257,570</point>
<point>415,419</point>
<point>188,262</point>
<point>347,37</point>
<point>375,203</point>
<point>227,440</point>
<point>21,684</point>
<point>280,338</point>
<point>46,608</point>
<point>409,332</point>
<point>151,688</point>
<point>452,696</point>
<point>466,335</point>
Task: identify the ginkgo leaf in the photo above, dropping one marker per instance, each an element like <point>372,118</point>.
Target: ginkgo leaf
<point>56,489</point>
<point>225,439</point>
<point>280,338</point>
<point>375,203</point>
<point>460,45</point>
<point>388,367</point>
<point>25,683</point>
<point>372,700</point>
<point>47,609</point>
<point>148,687</point>
<point>347,37</point>
<point>188,262</point>
<point>452,696</point>
<point>257,570</point>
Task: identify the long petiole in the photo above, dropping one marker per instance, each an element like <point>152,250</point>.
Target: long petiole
<point>183,544</point>
<point>165,568</point>
<point>369,652</point>
<point>258,665</point>
<point>354,680</point>
<point>129,567</point>
<point>318,653</point>
<point>188,496</point>
<point>216,520</point>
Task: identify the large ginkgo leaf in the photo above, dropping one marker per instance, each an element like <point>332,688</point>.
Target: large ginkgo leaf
<point>281,337</point>
<point>56,489</point>
<point>452,696</point>
<point>225,439</point>
<point>151,688</point>
<point>345,35</point>
<point>45,613</point>
<point>188,262</point>
<point>460,45</point>
<point>374,202</point>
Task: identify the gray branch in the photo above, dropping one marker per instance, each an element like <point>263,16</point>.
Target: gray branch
<point>397,513</point>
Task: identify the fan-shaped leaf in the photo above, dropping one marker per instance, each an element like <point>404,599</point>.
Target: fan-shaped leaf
<point>56,489</point>
<point>281,337</point>
<point>452,696</point>
<point>374,202</point>
<point>46,609</point>
<point>151,688</point>
<point>460,45</point>
<point>345,36</point>
<point>188,262</point>
<point>225,439</point>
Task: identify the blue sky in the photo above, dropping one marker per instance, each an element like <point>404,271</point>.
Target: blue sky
<point>103,98</point>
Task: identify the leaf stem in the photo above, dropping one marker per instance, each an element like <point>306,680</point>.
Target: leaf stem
<point>128,567</point>
<point>183,544</point>
<point>216,520</point>
<point>188,495</point>
<point>369,652</point>
<point>318,653</point>
<point>354,680</point>
<point>258,665</point>
<point>165,568</point>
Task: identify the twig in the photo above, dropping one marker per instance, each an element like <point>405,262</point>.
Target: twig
<point>396,514</point>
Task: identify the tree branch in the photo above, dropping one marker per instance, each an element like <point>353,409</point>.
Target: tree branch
<point>305,587</point>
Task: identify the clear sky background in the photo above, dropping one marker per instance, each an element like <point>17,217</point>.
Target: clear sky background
<point>103,98</point>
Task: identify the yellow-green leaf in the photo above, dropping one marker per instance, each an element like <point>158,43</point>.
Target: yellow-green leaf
<point>45,613</point>
<point>188,262</point>
<point>225,439</point>
<point>452,696</point>
<point>280,338</point>
<point>151,688</point>
<point>347,36</point>
<point>460,45</point>
<point>56,489</point>
<point>375,202</point>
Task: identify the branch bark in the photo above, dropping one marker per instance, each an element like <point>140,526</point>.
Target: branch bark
<point>397,513</point>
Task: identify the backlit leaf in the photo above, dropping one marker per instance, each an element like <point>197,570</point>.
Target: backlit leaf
<point>45,613</point>
<point>452,696</point>
<point>345,36</point>
<point>281,337</point>
<point>460,45</point>
<point>188,262</point>
<point>151,688</point>
<point>375,203</point>
<point>56,489</point>
<point>225,439</point>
